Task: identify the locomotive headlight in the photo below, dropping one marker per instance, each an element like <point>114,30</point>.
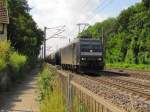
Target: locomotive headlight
<point>83,59</point>
<point>99,59</point>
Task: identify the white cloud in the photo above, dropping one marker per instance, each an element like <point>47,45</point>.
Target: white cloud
<point>53,13</point>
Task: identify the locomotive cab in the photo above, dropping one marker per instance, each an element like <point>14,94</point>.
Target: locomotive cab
<point>91,55</point>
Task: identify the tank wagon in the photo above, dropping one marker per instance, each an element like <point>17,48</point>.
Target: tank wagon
<point>54,58</point>
<point>82,55</point>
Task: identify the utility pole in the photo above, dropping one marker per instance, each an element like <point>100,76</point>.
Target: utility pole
<point>102,36</point>
<point>45,42</point>
<point>60,30</point>
<point>80,25</point>
<point>41,51</point>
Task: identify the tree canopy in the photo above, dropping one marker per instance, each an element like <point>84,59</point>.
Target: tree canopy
<point>23,32</point>
<point>127,37</point>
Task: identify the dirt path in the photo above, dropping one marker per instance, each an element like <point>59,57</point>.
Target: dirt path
<point>22,98</point>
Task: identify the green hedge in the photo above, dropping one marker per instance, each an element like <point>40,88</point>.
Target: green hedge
<point>11,64</point>
<point>4,54</point>
<point>8,57</point>
<point>2,64</point>
<point>17,61</point>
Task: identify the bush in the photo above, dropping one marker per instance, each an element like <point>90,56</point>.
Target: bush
<point>4,54</point>
<point>46,81</point>
<point>17,61</point>
<point>5,49</point>
<point>12,64</point>
<point>3,64</point>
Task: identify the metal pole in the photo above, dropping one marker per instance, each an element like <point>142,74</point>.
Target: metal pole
<point>60,30</point>
<point>42,52</point>
<point>69,40</point>
<point>79,28</point>
<point>102,36</point>
<point>45,42</point>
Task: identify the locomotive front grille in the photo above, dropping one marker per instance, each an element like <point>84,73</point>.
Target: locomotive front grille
<point>91,59</point>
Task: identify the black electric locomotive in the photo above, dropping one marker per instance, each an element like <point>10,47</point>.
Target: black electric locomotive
<point>82,55</point>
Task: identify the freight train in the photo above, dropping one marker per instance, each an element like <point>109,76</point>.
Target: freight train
<point>82,55</point>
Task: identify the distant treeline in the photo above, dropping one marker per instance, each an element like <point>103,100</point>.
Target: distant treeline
<point>127,37</point>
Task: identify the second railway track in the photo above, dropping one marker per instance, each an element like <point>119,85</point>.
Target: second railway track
<point>124,97</point>
<point>141,90</point>
<point>134,90</point>
<point>124,85</point>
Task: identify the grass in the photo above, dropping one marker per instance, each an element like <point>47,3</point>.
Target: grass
<point>54,102</point>
<point>78,106</point>
<point>139,67</point>
<point>51,96</point>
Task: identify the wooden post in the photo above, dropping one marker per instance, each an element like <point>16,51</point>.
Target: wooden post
<point>69,93</point>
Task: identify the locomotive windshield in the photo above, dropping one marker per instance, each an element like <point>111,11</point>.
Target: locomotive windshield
<point>91,47</point>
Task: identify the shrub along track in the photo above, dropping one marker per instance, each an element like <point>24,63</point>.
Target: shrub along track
<point>124,94</point>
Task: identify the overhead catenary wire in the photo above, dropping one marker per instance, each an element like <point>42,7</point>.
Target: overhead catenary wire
<point>59,30</point>
<point>80,7</point>
<point>100,10</point>
<point>103,4</point>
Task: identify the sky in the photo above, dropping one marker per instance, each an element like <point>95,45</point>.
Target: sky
<point>53,13</point>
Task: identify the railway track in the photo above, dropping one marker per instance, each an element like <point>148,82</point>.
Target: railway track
<point>124,97</point>
<point>125,85</point>
<point>125,81</point>
<point>141,82</point>
<point>134,88</point>
<point>120,86</point>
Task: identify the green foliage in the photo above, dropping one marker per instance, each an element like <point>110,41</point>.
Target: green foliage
<point>3,64</point>
<point>139,67</point>
<point>5,50</point>
<point>10,58</point>
<point>46,81</point>
<point>17,61</point>
<point>11,64</point>
<point>129,56</point>
<point>146,3</point>
<point>51,97</point>
<point>53,103</point>
<point>127,37</point>
<point>23,32</point>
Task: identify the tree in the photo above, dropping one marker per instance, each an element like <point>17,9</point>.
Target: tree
<point>146,3</point>
<point>127,37</point>
<point>23,32</point>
